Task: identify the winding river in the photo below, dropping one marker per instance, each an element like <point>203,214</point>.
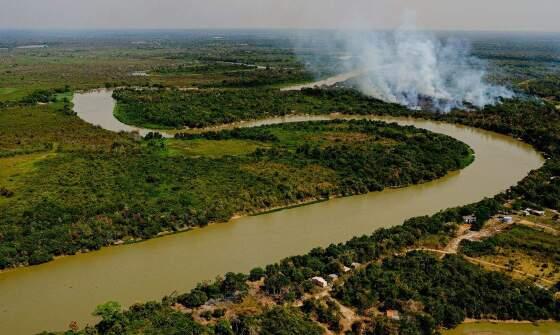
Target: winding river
<point>51,295</point>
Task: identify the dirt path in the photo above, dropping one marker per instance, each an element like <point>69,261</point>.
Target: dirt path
<point>464,233</point>
<point>453,245</point>
<point>349,316</point>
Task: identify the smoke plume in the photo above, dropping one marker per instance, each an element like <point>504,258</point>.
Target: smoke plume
<point>413,67</point>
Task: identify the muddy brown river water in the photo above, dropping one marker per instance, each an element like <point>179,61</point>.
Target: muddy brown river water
<point>51,295</point>
<point>488,328</point>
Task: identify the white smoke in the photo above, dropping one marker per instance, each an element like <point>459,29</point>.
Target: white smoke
<point>410,67</point>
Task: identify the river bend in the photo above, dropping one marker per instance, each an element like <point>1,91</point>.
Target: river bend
<point>51,295</point>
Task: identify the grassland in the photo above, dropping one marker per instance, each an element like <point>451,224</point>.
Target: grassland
<point>213,148</point>
<point>100,62</point>
<point>528,251</point>
<point>14,167</point>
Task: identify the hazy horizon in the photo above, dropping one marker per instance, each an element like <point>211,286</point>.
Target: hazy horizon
<point>438,15</point>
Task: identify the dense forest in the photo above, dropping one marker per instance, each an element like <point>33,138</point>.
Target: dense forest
<point>548,87</point>
<point>82,197</point>
<point>157,108</point>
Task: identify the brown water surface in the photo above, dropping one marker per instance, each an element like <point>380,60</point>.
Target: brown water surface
<point>487,328</point>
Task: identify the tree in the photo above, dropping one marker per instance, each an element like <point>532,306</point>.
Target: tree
<point>275,283</point>
<point>288,321</point>
<point>234,284</point>
<point>108,311</point>
<point>223,327</point>
<point>195,298</point>
<point>256,274</point>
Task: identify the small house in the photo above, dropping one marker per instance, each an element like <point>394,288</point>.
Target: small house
<point>469,219</point>
<point>319,281</point>
<point>346,269</point>
<point>392,315</point>
<point>355,265</point>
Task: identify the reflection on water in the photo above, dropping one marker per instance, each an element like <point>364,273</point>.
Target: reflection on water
<point>49,296</point>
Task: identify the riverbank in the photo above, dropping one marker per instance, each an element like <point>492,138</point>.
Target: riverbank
<point>284,165</point>
<point>135,272</point>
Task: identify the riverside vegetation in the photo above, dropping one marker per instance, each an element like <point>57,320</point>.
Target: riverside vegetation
<point>93,190</point>
<point>388,281</point>
<point>430,293</point>
<point>78,187</point>
<point>176,109</point>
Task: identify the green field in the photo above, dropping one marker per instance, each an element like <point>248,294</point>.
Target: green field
<point>213,149</point>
